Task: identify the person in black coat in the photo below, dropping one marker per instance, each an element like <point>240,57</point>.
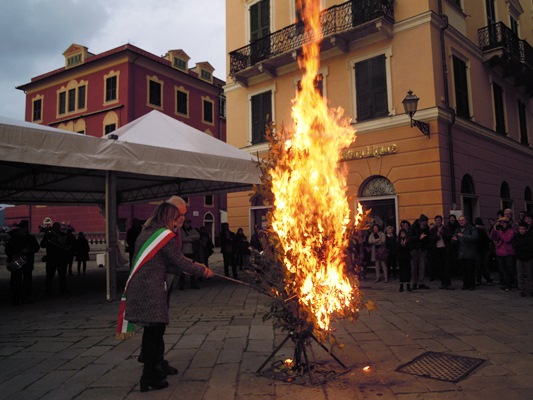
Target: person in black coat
<point>403,255</point>
<point>22,245</point>
<point>82,248</point>
<point>57,256</point>
<point>419,238</point>
<point>523,245</point>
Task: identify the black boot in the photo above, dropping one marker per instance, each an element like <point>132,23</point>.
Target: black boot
<point>401,287</point>
<point>408,287</point>
<point>151,378</point>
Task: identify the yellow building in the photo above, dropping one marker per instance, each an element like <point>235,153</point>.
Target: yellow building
<point>469,62</point>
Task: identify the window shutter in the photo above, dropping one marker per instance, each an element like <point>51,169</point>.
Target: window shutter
<point>379,83</point>
<point>461,87</point>
<point>362,83</point>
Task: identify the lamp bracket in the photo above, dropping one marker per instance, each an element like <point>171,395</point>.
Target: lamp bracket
<point>423,126</point>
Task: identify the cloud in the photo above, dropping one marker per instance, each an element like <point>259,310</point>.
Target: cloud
<point>35,33</point>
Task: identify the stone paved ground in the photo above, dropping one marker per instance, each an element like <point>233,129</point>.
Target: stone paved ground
<point>64,347</point>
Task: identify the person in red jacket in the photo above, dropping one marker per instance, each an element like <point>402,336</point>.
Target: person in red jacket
<point>503,236</point>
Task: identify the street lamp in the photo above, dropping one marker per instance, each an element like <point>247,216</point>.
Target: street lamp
<point>410,104</point>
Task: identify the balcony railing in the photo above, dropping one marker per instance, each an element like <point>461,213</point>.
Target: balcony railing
<point>500,36</point>
<point>334,20</point>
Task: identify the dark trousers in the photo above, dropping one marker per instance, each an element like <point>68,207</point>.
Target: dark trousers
<point>61,268</point>
<point>441,265</point>
<point>84,266</point>
<point>21,282</point>
<point>468,269</point>
<point>405,269</point>
<point>482,266</point>
<point>506,266</point>
<point>229,260</point>
<point>153,346</point>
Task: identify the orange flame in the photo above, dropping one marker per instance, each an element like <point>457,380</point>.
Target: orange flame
<point>311,210</point>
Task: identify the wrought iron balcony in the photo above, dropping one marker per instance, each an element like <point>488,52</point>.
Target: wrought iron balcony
<point>340,25</point>
<point>504,50</point>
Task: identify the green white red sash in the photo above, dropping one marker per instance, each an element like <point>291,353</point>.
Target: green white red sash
<point>154,243</point>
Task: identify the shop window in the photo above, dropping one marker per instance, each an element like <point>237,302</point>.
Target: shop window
<point>261,105</point>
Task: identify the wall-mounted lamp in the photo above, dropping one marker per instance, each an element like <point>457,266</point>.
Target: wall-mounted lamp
<point>410,104</point>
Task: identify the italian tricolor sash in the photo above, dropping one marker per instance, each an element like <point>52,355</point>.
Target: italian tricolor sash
<point>154,243</point>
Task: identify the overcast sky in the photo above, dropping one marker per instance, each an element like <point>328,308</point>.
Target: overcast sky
<point>35,33</point>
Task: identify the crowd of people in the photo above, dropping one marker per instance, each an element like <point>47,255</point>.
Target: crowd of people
<point>438,251</point>
<point>62,249</point>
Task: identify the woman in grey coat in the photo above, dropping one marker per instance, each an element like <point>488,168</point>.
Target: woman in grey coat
<point>146,289</point>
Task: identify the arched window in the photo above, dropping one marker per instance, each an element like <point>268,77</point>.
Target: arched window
<point>505,196</point>
<point>377,186</point>
<point>467,185</point>
<point>528,200</point>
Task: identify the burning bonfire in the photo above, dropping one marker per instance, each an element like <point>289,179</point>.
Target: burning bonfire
<point>304,268</point>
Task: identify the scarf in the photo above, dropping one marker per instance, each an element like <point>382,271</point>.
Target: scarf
<point>154,243</point>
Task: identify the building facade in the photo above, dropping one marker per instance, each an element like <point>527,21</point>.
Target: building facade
<point>94,94</point>
<point>470,63</point>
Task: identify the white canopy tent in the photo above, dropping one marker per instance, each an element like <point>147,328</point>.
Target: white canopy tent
<point>151,158</point>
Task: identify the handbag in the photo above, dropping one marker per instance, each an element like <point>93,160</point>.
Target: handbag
<point>16,263</point>
<point>382,253</point>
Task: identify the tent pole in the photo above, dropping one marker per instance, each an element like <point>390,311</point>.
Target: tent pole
<point>111,234</point>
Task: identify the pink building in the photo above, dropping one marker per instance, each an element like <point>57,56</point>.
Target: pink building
<point>94,94</point>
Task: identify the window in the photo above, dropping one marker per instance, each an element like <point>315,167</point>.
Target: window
<point>37,110</point>
<point>154,93</point>
<point>109,128</point>
<point>207,111</point>
<point>180,64</point>
<point>261,115</point>
<point>182,102</point>
<point>259,28</point>
<point>491,12</point>
<point>71,100</point>
<point>208,201</point>
<point>205,75</point>
<point>74,60</point>
<point>259,20</point>
<point>505,196</point>
<point>522,120</point>
<point>111,89</point>
<point>371,88</point>
<point>222,106</point>
<point>461,87</point>
<point>514,25</point>
<point>499,113</point>
<point>81,97</point>
<point>62,103</point>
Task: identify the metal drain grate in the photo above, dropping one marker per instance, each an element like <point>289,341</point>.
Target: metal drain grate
<point>445,367</point>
